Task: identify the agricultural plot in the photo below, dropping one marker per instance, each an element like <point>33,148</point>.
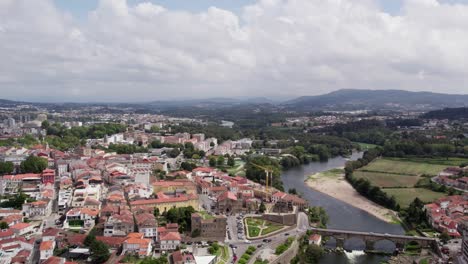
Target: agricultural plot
<point>404,196</point>
<point>436,160</point>
<point>388,180</point>
<point>403,167</point>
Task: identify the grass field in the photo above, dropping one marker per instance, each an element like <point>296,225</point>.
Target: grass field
<point>271,228</point>
<point>254,231</point>
<point>436,160</point>
<point>365,146</point>
<point>259,227</point>
<point>404,196</point>
<point>386,180</point>
<point>238,169</point>
<point>403,167</point>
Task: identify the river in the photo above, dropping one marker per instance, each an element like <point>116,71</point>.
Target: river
<point>342,216</point>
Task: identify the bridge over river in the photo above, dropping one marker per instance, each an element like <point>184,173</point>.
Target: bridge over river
<point>371,238</point>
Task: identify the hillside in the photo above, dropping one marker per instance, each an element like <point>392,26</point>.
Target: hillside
<point>354,99</point>
<point>448,113</point>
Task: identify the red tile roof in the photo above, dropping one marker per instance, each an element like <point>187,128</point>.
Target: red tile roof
<point>171,236</point>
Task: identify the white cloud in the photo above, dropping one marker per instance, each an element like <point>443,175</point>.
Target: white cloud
<point>275,47</point>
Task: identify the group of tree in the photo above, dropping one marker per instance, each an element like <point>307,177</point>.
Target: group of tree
<point>188,166</point>
<point>191,153</point>
<point>126,148</point>
<point>307,253</point>
<point>221,161</point>
<point>415,214</point>
<point>213,248</point>
<point>16,201</point>
<point>84,132</point>
<point>63,138</point>
<point>254,170</point>
<point>33,164</point>
<point>318,216</point>
<point>99,250</point>
<point>182,216</point>
<point>6,167</point>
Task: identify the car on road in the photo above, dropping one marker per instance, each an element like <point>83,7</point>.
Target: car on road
<point>286,234</point>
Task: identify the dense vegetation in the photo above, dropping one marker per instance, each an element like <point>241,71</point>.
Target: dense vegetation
<point>16,201</point>
<point>181,216</point>
<point>307,253</point>
<point>256,173</point>
<point>448,113</point>
<point>63,138</point>
<point>318,216</point>
<point>33,164</point>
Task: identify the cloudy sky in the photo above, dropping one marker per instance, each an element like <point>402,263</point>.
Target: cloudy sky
<point>140,50</point>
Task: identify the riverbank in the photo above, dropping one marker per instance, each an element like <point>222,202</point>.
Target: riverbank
<point>333,183</point>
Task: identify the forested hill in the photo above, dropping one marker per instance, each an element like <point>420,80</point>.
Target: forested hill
<point>448,113</point>
<point>355,99</point>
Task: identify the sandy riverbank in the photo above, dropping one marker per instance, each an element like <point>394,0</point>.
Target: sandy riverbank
<point>334,184</point>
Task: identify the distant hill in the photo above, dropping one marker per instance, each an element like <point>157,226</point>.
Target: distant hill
<point>447,113</point>
<point>355,99</point>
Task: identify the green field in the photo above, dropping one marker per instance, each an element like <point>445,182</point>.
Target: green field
<point>403,167</point>
<point>436,160</point>
<point>365,146</point>
<point>404,196</point>
<point>386,180</point>
<point>238,169</point>
<point>271,229</point>
<point>259,227</point>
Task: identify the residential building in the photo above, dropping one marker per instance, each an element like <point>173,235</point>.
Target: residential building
<point>46,249</point>
<point>135,243</point>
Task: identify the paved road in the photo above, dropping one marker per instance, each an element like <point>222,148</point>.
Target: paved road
<point>276,240</point>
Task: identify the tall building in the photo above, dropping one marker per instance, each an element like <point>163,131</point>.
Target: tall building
<point>10,122</point>
<point>41,117</point>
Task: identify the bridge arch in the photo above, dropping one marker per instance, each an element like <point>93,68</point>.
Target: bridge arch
<point>355,243</point>
<point>385,245</point>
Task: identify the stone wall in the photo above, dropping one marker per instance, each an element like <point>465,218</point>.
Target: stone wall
<point>284,219</point>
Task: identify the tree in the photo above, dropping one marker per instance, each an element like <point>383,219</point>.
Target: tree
<point>45,124</point>
<point>313,253</point>
<point>445,237</point>
<point>89,240</point>
<point>196,233</point>
<point>213,248</point>
<point>4,225</point>
<point>415,212</point>
<point>99,252</point>
<point>212,162</point>
<point>33,164</point>
<point>231,162</point>
<point>6,167</point>
<point>292,191</point>
<point>262,207</point>
<point>173,153</point>
<point>220,161</point>
<point>156,212</point>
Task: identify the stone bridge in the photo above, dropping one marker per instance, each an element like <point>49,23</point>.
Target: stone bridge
<point>371,238</point>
